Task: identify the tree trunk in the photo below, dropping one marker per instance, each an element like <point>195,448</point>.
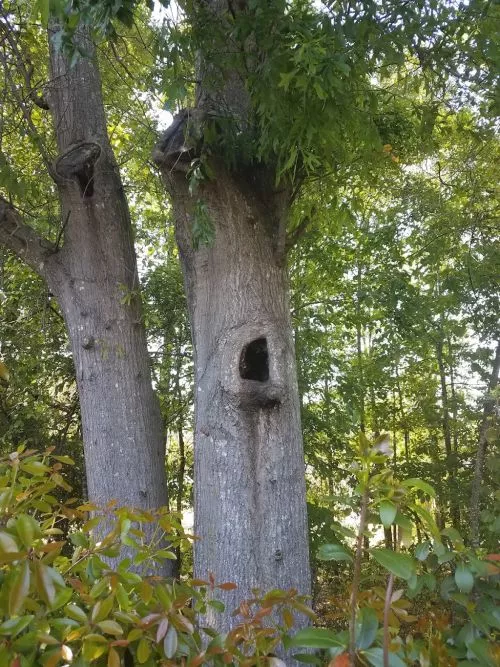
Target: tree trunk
<point>450,457</point>
<point>404,418</point>
<point>454,401</point>
<point>359,351</point>
<point>250,509</point>
<point>99,293</point>
<point>489,406</point>
<point>92,272</point>
<point>181,467</point>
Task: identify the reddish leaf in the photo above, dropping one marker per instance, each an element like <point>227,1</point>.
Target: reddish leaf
<point>199,582</point>
<point>113,658</point>
<point>228,586</point>
<point>162,630</point>
<point>20,589</point>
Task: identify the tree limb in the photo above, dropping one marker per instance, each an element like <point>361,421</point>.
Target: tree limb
<point>23,240</point>
<point>294,236</point>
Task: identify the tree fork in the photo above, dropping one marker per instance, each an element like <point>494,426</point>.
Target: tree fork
<point>89,270</point>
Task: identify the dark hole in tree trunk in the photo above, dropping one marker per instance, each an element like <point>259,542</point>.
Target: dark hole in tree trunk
<point>86,181</point>
<point>254,361</point>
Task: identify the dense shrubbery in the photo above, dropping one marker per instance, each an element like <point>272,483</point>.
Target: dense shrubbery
<point>443,609</point>
<point>63,603</point>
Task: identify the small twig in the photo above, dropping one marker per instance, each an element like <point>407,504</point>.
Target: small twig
<point>61,231</point>
<point>298,232</point>
<point>357,574</point>
<point>448,185</point>
<point>387,609</point>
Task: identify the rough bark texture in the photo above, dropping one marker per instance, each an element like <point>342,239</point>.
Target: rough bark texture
<point>250,504</point>
<point>94,278</point>
<point>99,296</point>
<point>250,509</point>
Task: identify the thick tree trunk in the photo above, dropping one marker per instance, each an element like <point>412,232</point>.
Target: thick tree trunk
<point>98,290</point>
<point>92,272</point>
<point>250,509</point>
<point>489,406</point>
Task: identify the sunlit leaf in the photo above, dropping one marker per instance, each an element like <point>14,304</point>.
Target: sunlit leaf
<point>388,511</point>
<point>401,565</point>
<point>20,589</point>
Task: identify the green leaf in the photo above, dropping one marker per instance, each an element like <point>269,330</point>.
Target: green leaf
<point>20,589</point>
<point>464,578</point>
<point>44,583</point>
<point>27,528</point>
<point>422,550</point>
<point>307,659</point>
<point>13,626</point>
<point>454,535</point>
<point>428,520</point>
<point>286,78</point>
<point>388,511</point>
<point>483,650</point>
<point>170,642</point>
<point>77,614</point>
<point>401,565</point>
<point>375,657</point>
<point>8,545</point>
<point>36,468</point>
<point>367,628</point>
<point>110,627</point>
<point>316,638</point>
<point>416,483</point>
<point>64,459</point>
<point>333,552</point>
<point>42,9</point>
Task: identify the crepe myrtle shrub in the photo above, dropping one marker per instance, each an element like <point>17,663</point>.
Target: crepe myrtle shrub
<point>62,603</point>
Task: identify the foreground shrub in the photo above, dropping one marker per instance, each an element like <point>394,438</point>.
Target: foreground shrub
<point>428,599</point>
<point>66,598</point>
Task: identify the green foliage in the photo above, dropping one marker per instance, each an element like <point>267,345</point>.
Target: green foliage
<point>65,598</point>
<point>320,80</point>
<point>467,580</point>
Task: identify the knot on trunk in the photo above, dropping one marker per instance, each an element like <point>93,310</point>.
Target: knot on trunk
<point>77,163</point>
<point>253,395</point>
<point>181,142</point>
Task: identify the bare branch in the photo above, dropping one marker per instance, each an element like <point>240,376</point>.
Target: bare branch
<point>22,239</point>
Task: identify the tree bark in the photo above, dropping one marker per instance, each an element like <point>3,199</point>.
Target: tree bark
<point>450,457</point>
<point>250,509</point>
<point>489,406</point>
<point>92,272</point>
<point>250,503</point>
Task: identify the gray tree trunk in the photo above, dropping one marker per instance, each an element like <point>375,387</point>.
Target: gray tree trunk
<point>92,272</point>
<point>250,509</point>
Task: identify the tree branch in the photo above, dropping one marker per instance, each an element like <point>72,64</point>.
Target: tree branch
<point>22,239</point>
<point>294,236</point>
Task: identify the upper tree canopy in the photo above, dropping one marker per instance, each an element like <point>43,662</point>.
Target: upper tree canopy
<point>324,85</point>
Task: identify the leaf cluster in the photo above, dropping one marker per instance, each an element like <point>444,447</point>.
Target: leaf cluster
<point>66,599</point>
